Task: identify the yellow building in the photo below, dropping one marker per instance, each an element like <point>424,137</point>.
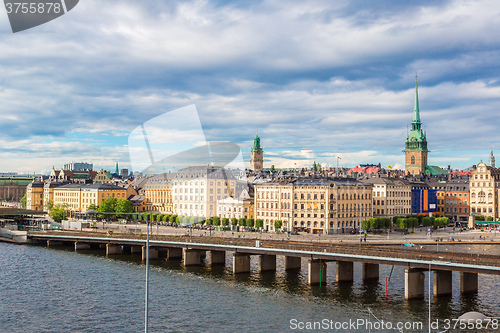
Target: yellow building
<point>158,194</point>
<point>315,205</point>
<point>34,196</point>
<point>78,197</point>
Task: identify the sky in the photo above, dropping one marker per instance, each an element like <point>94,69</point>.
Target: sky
<point>316,79</point>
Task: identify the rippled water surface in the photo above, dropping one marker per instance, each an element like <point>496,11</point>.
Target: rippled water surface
<point>59,290</point>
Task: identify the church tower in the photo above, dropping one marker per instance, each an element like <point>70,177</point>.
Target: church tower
<point>416,143</point>
<point>256,155</point>
<point>491,161</point>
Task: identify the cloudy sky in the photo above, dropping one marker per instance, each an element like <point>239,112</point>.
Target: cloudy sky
<point>316,79</point>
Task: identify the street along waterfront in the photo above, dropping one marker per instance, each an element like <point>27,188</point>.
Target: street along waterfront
<point>55,290</point>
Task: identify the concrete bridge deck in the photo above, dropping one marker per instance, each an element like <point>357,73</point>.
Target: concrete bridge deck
<point>363,253</point>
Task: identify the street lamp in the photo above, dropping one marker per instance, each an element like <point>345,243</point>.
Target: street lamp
<point>146,301</point>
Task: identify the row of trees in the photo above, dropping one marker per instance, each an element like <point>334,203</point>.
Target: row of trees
<point>404,222</point>
<point>482,218</point>
<point>214,221</point>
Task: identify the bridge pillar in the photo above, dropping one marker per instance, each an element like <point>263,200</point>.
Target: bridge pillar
<point>203,254</point>
<point>345,271</point>
<point>217,257</point>
<point>370,271</point>
<point>267,262</point>
<point>292,263</point>
<point>241,262</point>
<point>82,246</point>
<point>317,271</point>
<point>136,249</point>
<point>174,253</point>
<point>414,283</point>
<point>192,257</point>
<point>468,283</point>
<point>113,249</point>
<point>442,283</point>
<point>153,253</point>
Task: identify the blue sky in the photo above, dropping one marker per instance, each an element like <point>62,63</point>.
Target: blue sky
<point>316,79</point>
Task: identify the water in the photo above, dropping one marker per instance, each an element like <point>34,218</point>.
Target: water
<point>59,290</point>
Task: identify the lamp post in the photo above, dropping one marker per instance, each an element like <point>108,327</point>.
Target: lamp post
<point>146,301</point>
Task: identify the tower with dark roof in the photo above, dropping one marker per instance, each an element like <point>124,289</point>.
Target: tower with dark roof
<point>416,143</point>
<point>491,161</point>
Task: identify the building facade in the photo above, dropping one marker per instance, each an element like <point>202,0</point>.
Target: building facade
<point>314,205</point>
<point>457,199</point>
<point>34,196</point>
<point>483,188</point>
<point>78,197</point>
<point>391,197</point>
<point>158,194</point>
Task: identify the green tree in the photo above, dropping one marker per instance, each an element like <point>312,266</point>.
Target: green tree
<point>259,223</point>
<point>173,218</point>
<point>385,222</point>
<point>365,224</point>
<point>479,218</point>
<point>165,218</point>
<point>426,221</point>
<point>402,223</point>
<point>225,221</point>
<point>412,222</point>
<point>277,224</point>
<point>23,201</point>
<point>374,223</point>
<point>272,168</point>
<point>250,223</point>
<point>216,220</point>
<point>124,206</point>
<point>234,221</point>
<point>489,219</point>
<point>58,213</point>
<point>242,222</point>
<point>50,204</point>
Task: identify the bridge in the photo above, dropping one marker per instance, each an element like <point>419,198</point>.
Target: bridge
<point>193,251</point>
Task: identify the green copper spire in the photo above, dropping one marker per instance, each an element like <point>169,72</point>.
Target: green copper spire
<point>116,171</point>
<point>416,110</point>
<point>416,139</point>
<point>256,143</point>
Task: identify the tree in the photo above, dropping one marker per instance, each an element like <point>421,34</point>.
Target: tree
<point>374,223</point>
<point>365,224</point>
<point>479,218</point>
<point>165,218</point>
<point>412,222</point>
<point>234,221</point>
<point>402,223</point>
<point>259,223</point>
<point>489,219</point>
<point>250,223</point>
<point>426,221</point>
<point>272,168</point>
<point>277,224</point>
<point>124,206</point>
<point>242,222</point>
<point>23,201</point>
<point>385,222</point>
<point>108,205</point>
<point>50,204</point>
<point>173,218</point>
<point>216,220</point>
<point>58,213</point>
<point>225,221</point>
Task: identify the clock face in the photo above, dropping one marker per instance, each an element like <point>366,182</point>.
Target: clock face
<point>413,139</point>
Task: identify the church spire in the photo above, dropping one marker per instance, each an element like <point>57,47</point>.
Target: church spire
<point>416,110</point>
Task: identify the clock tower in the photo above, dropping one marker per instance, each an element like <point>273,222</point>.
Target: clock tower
<point>256,155</point>
<point>416,143</point>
